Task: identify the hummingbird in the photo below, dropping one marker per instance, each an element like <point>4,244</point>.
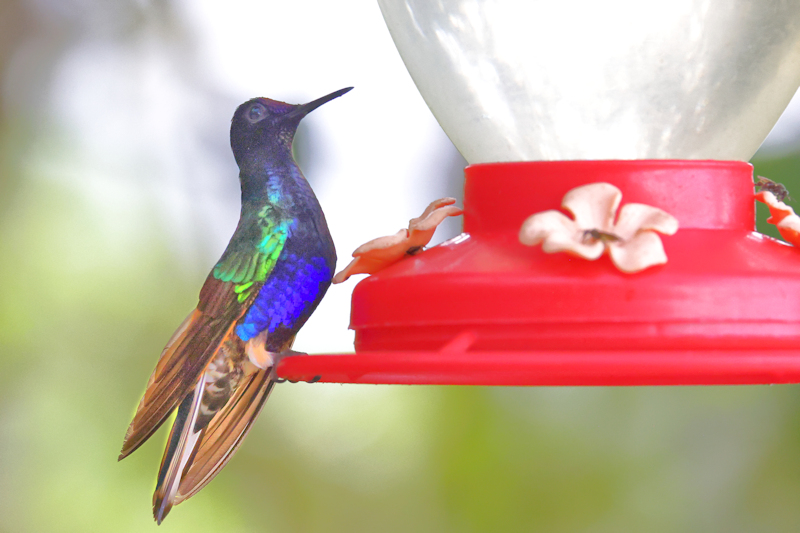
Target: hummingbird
<point>217,369</point>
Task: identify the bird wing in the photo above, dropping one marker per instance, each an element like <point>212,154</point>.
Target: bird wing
<point>254,250</point>
<point>225,297</point>
<point>183,360</point>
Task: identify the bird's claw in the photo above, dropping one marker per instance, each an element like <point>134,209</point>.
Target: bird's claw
<point>291,353</point>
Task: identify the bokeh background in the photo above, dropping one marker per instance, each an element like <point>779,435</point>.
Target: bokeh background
<point>118,193</point>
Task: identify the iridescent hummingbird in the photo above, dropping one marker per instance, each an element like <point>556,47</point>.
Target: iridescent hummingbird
<point>217,369</point>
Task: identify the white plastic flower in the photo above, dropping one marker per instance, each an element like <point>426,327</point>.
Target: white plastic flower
<point>631,241</point>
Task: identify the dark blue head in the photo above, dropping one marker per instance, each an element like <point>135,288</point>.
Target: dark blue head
<point>262,127</point>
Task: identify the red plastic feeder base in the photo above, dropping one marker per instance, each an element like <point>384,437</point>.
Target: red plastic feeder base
<point>483,309</point>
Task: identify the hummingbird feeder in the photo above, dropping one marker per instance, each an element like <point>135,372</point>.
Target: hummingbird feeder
<point>661,101</point>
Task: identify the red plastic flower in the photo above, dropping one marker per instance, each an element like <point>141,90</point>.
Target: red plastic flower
<point>783,216</point>
<point>379,253</point>
<point>631,241</point>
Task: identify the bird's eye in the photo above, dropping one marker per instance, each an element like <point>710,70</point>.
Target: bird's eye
<point>256,113</point>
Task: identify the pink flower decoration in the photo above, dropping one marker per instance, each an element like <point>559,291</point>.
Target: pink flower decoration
<point>631,241</point>
<point>783,216</point>
<point>379,253</point>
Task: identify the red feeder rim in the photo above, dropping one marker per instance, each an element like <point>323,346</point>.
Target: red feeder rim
<point>483,309</point>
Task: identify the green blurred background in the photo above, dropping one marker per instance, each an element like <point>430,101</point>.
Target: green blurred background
<point>117,193</point>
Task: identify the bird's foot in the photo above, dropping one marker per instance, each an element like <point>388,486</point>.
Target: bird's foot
<point>276,357</point>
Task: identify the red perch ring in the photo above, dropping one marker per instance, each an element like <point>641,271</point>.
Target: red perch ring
<point>483,309</point>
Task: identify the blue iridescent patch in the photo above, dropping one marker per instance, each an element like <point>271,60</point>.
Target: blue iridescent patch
<point>292,286</point>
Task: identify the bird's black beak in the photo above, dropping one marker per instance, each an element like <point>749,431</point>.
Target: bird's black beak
<point>304,109</point>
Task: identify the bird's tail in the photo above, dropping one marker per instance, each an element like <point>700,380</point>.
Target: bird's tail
<point>181,445</point>
<point>222,437</point>
<point>212,420</point>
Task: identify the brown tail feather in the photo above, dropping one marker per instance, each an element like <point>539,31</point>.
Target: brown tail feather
<point>230,425</point>
<point>226,432</point>
<point>205,437</point>
<point>181,445</point>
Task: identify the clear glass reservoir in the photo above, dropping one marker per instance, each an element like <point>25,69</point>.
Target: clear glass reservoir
<point>538,80</point>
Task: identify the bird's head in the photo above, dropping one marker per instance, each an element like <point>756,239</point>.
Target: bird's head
<point>262,126</point>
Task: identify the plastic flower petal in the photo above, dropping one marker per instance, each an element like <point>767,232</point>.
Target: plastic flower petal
<point>641,251</point>
<point>638,247</point>
<point>558,233</point>
<point>634,218</point>
<point>631,241</point>
<point>783,216</point>
<point>594,205</point>
<point>422,228</point>
<point>379,253</point>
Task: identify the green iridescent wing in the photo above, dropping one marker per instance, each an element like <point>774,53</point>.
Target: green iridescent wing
<point>253,251</point>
